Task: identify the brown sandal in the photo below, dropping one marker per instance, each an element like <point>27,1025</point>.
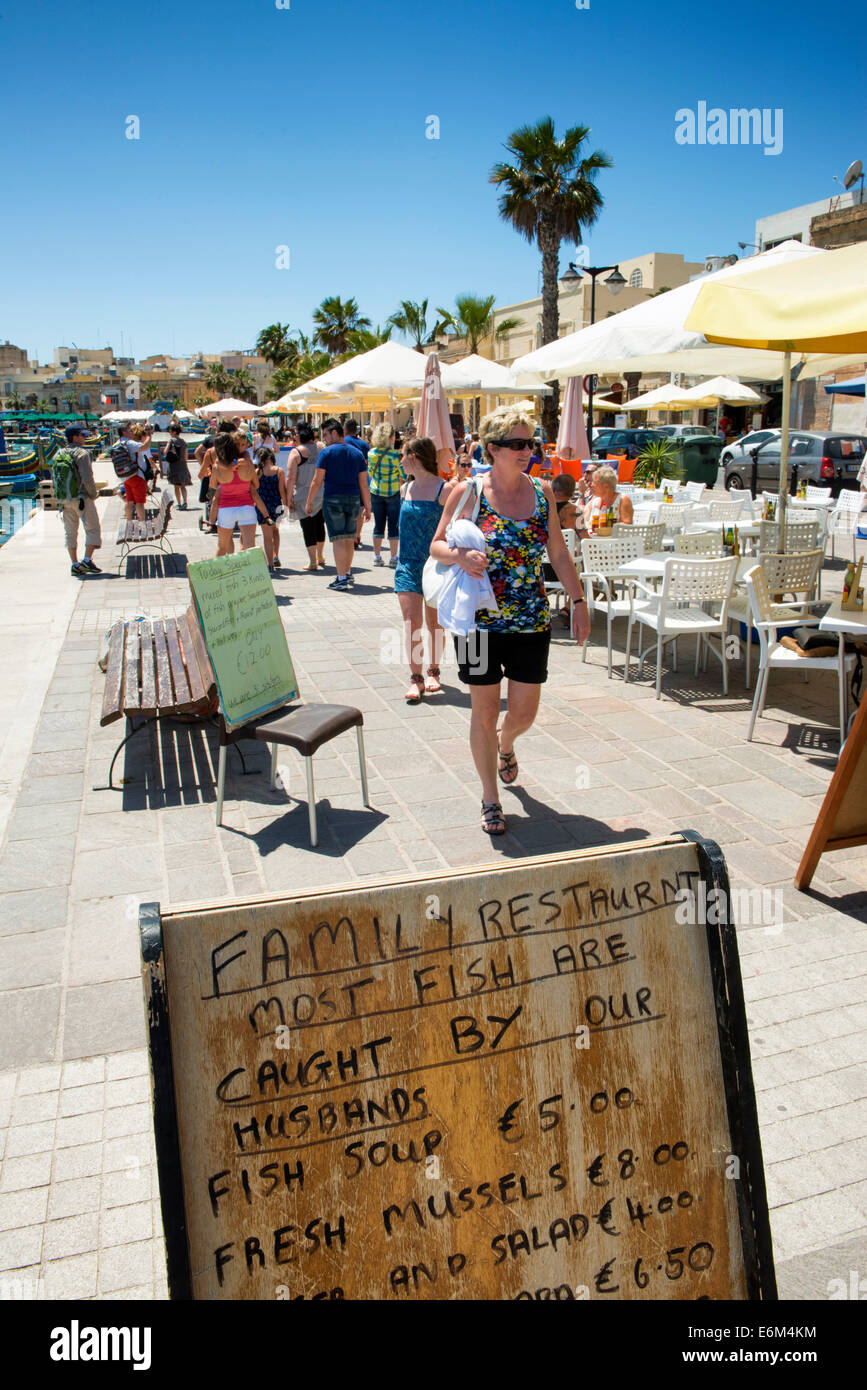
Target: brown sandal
<point>432,684</point>
<point>508,763</point>
<point>493,820</point>
<point>413,696</point>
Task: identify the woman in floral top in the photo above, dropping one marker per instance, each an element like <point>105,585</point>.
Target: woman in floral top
<point>518,519</point>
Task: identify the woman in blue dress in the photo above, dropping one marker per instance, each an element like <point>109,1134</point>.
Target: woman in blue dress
<point>423,497</point>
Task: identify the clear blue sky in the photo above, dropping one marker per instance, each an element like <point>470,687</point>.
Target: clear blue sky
<point>306,127</point>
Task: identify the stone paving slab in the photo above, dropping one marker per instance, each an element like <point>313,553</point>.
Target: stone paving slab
<point>605,763</point>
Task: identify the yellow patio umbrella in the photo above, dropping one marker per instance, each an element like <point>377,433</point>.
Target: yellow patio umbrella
<point>815,307</point>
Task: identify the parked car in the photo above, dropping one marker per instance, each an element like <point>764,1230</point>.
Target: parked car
<point>616,441</point>
<point>749,441</point>
<point>832,460</point>
<point>685,431</point>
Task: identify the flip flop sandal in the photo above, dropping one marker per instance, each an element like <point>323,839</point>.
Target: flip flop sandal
<point>493,820</point>
<point>432,684</point>
<point>508,763</point>
<point>413,697</point>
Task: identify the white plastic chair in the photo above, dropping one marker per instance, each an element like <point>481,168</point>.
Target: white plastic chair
<point>845,517</point>
<point>727,513</point>
<point>553,586</point>
<point>818,494</point>
<point>743,494</point>
<point>800,536</point>
<point>645,513</point>
<point>773,653</point>
<point>695,491</point>
<point>784,574</point>
<point>651,533</point>
<point>699,543</point>
<point>602,557</point>
<point>670,485</point>
<point>677,610</point>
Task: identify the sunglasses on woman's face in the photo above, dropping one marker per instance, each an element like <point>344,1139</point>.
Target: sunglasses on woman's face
<point>516,445</point>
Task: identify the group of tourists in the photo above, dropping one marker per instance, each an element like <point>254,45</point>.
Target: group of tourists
<point>487,529</point>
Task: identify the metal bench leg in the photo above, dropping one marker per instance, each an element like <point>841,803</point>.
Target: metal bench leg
<point>133,730</point>
<point>362,767</point>
<point>311,803</point>
<point>274,748</point>
<point>221,782</point>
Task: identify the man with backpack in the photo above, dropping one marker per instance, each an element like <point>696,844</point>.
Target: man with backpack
<point>130,466</point>
<point>72,473</point>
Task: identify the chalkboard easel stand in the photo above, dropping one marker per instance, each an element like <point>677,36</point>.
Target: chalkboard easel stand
<point>731,1029</point>
<point>847,793</point>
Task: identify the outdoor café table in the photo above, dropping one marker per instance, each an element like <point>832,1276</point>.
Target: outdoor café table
<point>651,567</point>
<point>749,531</point>
<point>844,623</point>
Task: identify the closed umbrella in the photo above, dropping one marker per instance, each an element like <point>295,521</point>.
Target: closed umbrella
<point>815,306</point>
<point>572,436</point>
<point>720,390</point>
<point>433,415</point>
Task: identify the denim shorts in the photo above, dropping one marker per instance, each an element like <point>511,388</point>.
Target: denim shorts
<point>341,515</point>
<point>386,511</point>
<point>229,517</point>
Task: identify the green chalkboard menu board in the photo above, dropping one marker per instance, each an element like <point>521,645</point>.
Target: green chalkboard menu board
<point>244,635</point>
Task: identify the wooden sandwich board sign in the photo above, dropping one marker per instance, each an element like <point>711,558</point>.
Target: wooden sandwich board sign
<point>245,638</point>
<point>842,819</point>
<point>514,1081</point>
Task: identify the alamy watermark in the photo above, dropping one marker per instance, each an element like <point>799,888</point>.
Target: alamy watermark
<point>760,907</point>
<point>737,126</point>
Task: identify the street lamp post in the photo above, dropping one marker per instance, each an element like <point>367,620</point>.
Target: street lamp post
<point>614,283</point>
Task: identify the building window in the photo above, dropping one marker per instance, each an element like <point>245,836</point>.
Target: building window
<point>636,279</point>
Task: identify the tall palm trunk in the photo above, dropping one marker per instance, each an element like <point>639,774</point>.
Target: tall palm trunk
<point>549,245</point>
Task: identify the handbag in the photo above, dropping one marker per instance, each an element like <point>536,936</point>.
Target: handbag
<point>433,576</point>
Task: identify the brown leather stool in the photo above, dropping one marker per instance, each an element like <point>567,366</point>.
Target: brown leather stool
<point>304,728</point>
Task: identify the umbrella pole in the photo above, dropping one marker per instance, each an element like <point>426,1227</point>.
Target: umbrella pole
<point>784,445</point>
<point>391,408</point>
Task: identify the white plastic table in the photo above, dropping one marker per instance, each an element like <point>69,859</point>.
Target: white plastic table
<point>653,566</point>
<point>845,624</point>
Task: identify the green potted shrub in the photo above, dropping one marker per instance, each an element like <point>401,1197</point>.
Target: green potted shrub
<point>658,459</point>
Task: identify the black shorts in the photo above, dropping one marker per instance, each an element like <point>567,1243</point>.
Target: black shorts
<point>486,658</point>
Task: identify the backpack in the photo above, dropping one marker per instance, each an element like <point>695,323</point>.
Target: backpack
<point>64,475</point>
<point>122,461</point>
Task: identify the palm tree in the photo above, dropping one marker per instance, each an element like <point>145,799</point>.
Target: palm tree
<point>473,320</point>
<point>152,391</point>
<point>549,196</point>
<point>70,402</point>
<point>411,319</point>
<point>14,401</point>
<point>243,385</point>
<point>365,339</point>
<point>335,320</point>
<point>217,379</point>
<point>275,344</point>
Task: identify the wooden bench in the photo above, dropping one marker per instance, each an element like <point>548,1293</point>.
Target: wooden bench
<point>132,535</point>
<point>157,669</point>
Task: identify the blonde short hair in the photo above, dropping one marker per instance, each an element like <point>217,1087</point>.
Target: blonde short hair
<point>606,476</point>
<point>383,436</point>
<point>500,426</point>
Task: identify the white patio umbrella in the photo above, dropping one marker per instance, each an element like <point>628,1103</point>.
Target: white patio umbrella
<point>228,406</point>
<point>652,336</point>
<point>815,309</point>
<point>665,397</point>
<point>720,390</point>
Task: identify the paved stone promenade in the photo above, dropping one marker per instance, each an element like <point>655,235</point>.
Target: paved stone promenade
<point>79,1209</point>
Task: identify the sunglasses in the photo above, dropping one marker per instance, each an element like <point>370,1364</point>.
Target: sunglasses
<point>516,445</point>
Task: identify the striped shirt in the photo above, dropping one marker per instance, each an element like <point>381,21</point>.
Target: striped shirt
<point>384,471</point>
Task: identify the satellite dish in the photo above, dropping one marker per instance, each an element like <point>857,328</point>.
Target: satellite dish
<point>852,174</point>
